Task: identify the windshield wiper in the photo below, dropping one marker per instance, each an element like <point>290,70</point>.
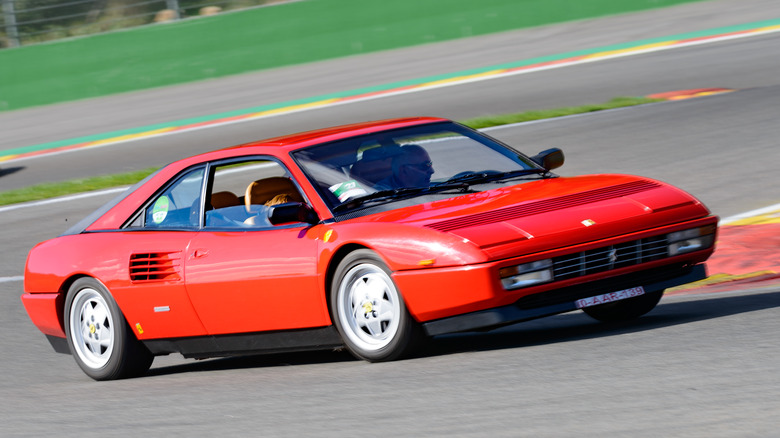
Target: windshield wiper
<point>491,176</point>
<point>395,194</point>
<point>460,182</point>
<point>522,172</point>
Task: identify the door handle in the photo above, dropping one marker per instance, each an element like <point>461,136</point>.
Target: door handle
<point>200,253</point>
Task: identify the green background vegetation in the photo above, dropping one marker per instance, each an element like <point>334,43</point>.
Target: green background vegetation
<point>47,20</point>
<point>232,43</point>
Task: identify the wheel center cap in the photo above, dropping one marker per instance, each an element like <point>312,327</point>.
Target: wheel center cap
<point>367,307</point>
<point>92,329</point>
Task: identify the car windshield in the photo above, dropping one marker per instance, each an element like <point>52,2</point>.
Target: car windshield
<point>405,163</point>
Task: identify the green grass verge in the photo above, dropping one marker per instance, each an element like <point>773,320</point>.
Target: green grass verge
<point>53,190</point>
<point>528,116</point>
<point>294,33</point>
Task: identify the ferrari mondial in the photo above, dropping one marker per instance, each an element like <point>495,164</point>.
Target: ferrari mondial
<point>371,236</point>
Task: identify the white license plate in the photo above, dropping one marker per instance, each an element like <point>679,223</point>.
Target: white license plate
<point>610,297</point>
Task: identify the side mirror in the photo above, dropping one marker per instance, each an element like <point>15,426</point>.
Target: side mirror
<point>549,159</point>
<point>292,212</point>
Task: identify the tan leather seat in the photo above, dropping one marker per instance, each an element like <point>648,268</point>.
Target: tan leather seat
<point>224,199</point>
<point>263,190</point>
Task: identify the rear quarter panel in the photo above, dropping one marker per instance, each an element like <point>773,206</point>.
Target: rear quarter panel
<point>52,266</point>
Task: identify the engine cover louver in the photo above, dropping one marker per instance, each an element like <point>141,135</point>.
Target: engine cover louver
<point>155,266</point>
<point>545,206</point>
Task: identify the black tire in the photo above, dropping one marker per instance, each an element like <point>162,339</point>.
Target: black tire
<point>625,310</point>
<point>98,335</point>
<point>369,311</point>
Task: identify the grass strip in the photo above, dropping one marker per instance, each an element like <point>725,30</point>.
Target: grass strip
<point>55,189</point>
<point>528,116</point>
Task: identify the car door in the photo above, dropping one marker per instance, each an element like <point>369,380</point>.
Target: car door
<point>244,274</point>
<point>251,281</point>
<point>151,252</point>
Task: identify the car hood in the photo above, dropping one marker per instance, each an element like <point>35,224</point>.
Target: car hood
<point>552,213</point>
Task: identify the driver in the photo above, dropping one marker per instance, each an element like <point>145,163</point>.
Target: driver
<point>411,168</point>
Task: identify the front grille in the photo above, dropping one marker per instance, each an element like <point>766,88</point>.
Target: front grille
<point>609,257</point>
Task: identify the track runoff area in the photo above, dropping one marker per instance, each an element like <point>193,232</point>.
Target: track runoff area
<point>746,255</point>
<point>746,251</point>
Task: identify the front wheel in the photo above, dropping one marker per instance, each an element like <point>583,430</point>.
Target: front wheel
<point>369,311</point>
<point>625,310</point>
<point>98,335</point>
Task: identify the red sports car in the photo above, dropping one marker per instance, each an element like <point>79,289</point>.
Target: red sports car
<point>370,236</point>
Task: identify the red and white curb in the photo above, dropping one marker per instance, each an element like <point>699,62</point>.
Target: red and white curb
<point>747,254</point>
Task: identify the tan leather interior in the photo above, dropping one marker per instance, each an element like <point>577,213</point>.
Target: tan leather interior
<point>224,199</point>
<point>263,190</point>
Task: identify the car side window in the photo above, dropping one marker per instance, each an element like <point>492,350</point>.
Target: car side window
<point>242,193</point>
<point>178,206</point>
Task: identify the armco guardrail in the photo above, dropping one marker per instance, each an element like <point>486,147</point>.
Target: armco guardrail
<point>33,21</point>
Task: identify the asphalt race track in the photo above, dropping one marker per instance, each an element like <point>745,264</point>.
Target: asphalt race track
<point>698,365</point>
<point>738,64</point>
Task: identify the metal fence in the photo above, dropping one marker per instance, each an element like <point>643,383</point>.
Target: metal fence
<point>31,21</point>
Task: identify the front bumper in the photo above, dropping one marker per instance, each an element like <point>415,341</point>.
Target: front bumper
<point>561,300</point>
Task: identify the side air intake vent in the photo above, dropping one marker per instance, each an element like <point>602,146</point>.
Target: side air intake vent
<point>156,266</point>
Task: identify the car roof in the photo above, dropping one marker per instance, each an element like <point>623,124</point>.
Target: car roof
<point>278,146</point>
<point>308,138</point>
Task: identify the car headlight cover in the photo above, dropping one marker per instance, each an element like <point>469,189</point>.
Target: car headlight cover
<point>695,239</point>
<point>527,274</point>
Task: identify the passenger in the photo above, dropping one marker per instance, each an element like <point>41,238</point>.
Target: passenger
<point>278,199</point>
<point>411,168</point>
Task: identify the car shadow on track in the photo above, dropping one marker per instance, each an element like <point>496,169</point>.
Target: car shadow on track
<point>9,170</point>
<point>576,325</point>
<point>561,328</point>
<point>256,361</point>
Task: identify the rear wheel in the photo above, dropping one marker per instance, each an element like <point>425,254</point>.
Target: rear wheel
<point>98,335</point>
<point>369,311</point>
<point>625,310</point>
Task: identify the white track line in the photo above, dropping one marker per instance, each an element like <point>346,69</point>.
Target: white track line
<point>725,221</point>
<point>467,79</point>
<point>62,199</point>
<point>749,214</point>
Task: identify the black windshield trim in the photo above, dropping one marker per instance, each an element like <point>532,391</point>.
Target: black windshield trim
<point>398,194</point>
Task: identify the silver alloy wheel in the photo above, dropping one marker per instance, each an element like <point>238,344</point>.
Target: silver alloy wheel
<point>91,328</point>
<point>369,306</point>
